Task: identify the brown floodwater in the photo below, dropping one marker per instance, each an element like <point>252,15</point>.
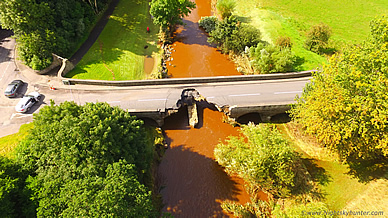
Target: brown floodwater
<point>192,56</point>
<point>193,184</point>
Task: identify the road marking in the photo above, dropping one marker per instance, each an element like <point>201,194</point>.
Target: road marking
<point>5,71</point>
<point>209,97</point>
<point>110,102</point>
<point>20,115</point>
<point>12,116</point>
<point>25,115</point>
<point>154,99</point>
<point>291,92</point>
<point>244,95</point>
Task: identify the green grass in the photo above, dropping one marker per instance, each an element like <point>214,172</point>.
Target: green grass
<point>8,143</point>
<point>119,53</point>
<point>349,20</point>
<point>342,189</point>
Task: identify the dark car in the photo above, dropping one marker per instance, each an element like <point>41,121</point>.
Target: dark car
<point>13,88</point>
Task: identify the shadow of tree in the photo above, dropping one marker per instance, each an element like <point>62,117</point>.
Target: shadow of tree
<point>366,170</point>
<point>191,34</point>
<point>306,183</point>
<point>193,185</point>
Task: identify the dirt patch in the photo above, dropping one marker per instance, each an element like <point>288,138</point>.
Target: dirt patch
<point>149,63</point>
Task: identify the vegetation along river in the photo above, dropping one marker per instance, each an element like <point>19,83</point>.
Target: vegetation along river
<point>192,183</point>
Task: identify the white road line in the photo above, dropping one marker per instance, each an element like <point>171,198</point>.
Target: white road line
<point>20,115</point>
<point>209,97</point>
<point>25,115</point>
<point>291,92</point>
<point>253,94</point>
<point>5,71</point>
<point>154,99</point>
<point>111,102</point>
<point>12,116</point>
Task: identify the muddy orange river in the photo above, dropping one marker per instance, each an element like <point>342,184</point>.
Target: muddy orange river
<point>192,55</point>
<point>192,183</point>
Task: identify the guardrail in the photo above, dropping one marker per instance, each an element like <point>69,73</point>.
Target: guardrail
<point>175,81</point>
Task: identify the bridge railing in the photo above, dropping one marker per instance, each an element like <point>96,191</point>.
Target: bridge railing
<point>174,81</point>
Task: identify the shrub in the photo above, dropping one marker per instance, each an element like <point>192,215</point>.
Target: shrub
<point>283,42</point>
<point>223,30</point>
<point>271,59</point>
<point>318,37</point>
<point>208,23</point>
<point>264,159</point>
<point>229,36</point>
<point>244,36</point>
<point>225,7</point>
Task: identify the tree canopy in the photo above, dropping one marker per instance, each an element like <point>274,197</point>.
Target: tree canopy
<point>168,13</point>
<point>262,157</point>
<point>346,105</point>
<point>89,161</point>
<point>43,27</point>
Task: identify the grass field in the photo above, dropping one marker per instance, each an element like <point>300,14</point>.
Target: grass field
<point>119,52</point>
<point>8,143</point>
<point>349,20</point>
<point>343,191</point>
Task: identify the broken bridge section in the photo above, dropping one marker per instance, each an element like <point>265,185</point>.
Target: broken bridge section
<point>189,97</point>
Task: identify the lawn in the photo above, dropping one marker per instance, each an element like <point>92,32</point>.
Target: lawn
<point>8,143</point>
<point>123,45</point>
<point>349,20</point>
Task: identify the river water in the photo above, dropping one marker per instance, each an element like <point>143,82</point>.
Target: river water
<point>192,183</point>
<point>193,56</point>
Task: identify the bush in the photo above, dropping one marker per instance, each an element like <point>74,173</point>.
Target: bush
<point>208,23</point>
<point>271,59</point>
<point>283,42</point>
<point>264,159</point>
<point>223,30</point>
<point>244,36</point>
<point>229,36</point>
<point>317,38</point>
<point>225,7</point>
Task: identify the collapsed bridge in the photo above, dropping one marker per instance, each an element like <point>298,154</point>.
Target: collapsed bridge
<point>239,105</point>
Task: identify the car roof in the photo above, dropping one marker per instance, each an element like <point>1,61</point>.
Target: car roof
<point>24,100</point>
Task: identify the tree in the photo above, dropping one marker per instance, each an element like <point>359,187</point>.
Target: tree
<point>38,24</point>
<point>90,161</point>
<point>168,13</point>
<point>14,201</point>
<point>346,105</point>
<point>318,37</point>
<point>263,158</point>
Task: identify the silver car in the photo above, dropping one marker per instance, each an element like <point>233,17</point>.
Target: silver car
<point>12,88</point>
<point>27,101</point>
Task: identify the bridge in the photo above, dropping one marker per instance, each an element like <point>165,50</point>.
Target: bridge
<point>262,99</point>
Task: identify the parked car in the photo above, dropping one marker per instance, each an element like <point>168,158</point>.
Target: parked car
<point>12,88</point>
<point>27,101</point>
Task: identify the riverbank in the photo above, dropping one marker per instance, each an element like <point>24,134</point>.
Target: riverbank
<point>343,191</point>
